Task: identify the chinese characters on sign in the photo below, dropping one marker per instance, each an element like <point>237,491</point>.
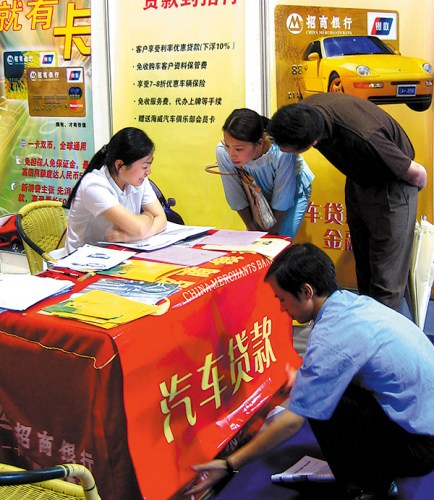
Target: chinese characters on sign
<point>47,445</point>
<point>174,4</point>
<point>40,14</point>
<point>218,376</point>
<point>37,169</point>
<point>331,215</point>
<point>177,72</point>
<point>328,25</point>
<point>185,77</point>
<point>45,101</point>
<point>248,353</point>
<point>303,69</point>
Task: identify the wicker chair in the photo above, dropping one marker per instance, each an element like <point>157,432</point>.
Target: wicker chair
<point>47,484</point>
<point>42,227</point>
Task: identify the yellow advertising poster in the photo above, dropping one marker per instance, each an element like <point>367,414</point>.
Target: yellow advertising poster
<point>177,73</point>
<point>330,49</point>
<point>46,122</point>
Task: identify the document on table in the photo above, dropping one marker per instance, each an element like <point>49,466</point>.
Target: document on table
<point>172,234</point>
<point>306,469</point>
<point>184,256</point>
<point>228,237</point>
<point>93,258</point>
<point>143,270</point>
<point>20,291</point>
<point>141,291</point>
<point>269,247</point>
<point>103,309</point>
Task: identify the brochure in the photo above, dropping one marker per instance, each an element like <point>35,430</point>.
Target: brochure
<point>233,237</point>
<point>103,309</point>
<point>142,291</point>
<point>142,270</point>
<point>306,469</point>
<point>181,255</point>
<point>172,234</point>
<point>268,247</point>
<point>93,258</point>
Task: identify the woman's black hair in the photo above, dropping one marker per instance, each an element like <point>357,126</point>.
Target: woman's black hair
<point>246,125</point>
<point>128,145</point>
<point>304,263</point>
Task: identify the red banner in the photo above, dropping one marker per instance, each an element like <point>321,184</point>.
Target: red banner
<point>153,396</point>
<point>203,369</point>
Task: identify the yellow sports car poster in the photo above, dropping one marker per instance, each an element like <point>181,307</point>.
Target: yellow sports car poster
<point>347,50</point>
<point>358,52</point>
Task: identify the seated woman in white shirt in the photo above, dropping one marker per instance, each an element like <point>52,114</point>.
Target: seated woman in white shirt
<point>113,200</point>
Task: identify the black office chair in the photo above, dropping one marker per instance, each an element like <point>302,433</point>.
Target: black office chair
<point>167,205</point>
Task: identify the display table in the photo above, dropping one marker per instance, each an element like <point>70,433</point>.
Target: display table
<point>140,403</point>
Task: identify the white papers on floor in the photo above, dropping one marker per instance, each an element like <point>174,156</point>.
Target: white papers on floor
<point>94,258</point>
<point>172,234</point>
<point>306,469</point>
<point>20,291</point>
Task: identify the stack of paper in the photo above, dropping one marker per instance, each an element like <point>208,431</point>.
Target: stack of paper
<point>145,292</point>
<point>172,234</point>
<point>103,309</point>
<point>182,255</point>
<point>268,247</point>
<point>142,270</point>
<point>230,237</point>
<point>20,291</point>
<point>93,258</point>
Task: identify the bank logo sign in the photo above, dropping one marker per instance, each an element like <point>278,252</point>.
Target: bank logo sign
<point>294,23</point>
<point>383,25</point>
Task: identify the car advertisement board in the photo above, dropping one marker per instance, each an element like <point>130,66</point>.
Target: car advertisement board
<point>358,52</point>
<point>347,50</point>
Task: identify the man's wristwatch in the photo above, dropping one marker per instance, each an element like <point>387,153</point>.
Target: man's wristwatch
<point>230,468</point>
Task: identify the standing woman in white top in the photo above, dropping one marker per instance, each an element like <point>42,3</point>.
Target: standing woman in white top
<point>284,178</point>
<point>113,200</point>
